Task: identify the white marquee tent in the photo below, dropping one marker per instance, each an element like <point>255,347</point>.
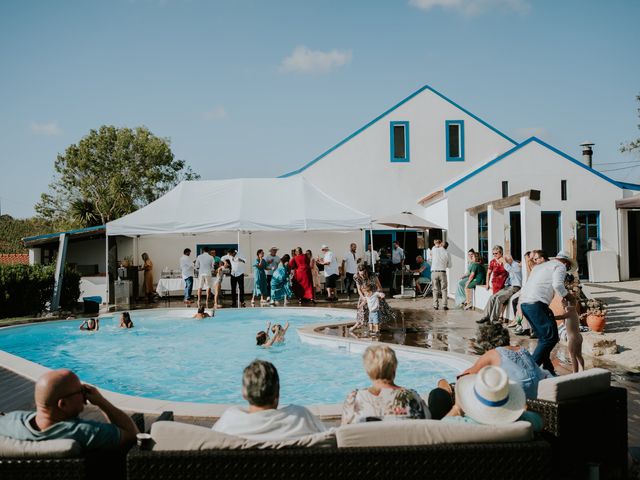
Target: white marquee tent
<point>243,204</point>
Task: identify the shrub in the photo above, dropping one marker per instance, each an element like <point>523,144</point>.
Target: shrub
<point>26,289</point>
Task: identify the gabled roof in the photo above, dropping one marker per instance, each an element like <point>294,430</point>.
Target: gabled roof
<point>624,185</point>
<point>397,105</point>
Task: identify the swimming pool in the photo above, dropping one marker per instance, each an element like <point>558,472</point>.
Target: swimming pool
<point>171,356</point>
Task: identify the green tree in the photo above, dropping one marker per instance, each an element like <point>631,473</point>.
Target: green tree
<point>111,172</point>
<point>13,230</point>
<point>634,144</point>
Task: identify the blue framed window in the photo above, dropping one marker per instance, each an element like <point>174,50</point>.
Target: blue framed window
<point>483,236</point>
<point>399,141</point>
<point>455,140</point>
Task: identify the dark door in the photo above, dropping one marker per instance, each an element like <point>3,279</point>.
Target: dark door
<point>515,236</point>
<point>634,243</point>
<point>587,238</point>
<point>551,233</point>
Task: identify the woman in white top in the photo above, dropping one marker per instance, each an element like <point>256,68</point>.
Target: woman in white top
<point>225,267</point>
<point>383,400</point>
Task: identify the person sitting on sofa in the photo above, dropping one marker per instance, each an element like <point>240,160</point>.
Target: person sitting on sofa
<point>384,399</point>
<point>60,397</point>
<point>263,420</point>
<point>489,397</point>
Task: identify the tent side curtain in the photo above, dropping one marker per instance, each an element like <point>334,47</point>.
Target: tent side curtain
<point>245,204</point>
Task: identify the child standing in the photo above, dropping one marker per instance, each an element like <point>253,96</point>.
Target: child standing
<point>373,302</point>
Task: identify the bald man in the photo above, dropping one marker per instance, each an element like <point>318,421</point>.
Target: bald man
<point>60,398</point>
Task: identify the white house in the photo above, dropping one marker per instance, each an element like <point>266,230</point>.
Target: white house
<point>534,196</point>
<point>429,155</point>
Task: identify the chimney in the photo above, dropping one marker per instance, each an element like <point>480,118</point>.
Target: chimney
<point>587,153</point>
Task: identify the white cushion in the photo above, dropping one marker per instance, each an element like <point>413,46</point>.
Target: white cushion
<point>182,436</point>
<point>44,449</point>
<point>428,432</point>
<point>574,385</point>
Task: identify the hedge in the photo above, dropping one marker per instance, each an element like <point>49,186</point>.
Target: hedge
<point>27,289</point>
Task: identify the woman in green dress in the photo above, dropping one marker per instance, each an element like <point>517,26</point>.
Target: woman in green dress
<point>461,298</point>
<point>280,288</point>
<point>259,278</point>
<point>477,276</point>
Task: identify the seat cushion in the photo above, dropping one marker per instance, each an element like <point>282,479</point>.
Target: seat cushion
<point>61,448</point>
<point>574,385</point>
<point>428,432</point>
<point>182,436</point>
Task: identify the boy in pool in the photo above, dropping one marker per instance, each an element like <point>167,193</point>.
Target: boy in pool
<point>92,325</point>
<point>200,314</point>
<point>262,337</point>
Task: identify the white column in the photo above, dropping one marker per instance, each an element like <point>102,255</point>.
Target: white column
<point>59,278</point>
<point>495,219</point>
<point>470,236</point>
<point>530,227</point>
<point>623,243</point>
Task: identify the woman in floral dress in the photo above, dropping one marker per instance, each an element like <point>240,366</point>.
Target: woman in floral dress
<point>383,399</point>
<point>315,274</point>
<point>363,277</point>
<point>280,288</point>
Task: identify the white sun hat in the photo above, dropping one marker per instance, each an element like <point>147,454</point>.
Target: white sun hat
<point>563,255</point>
<point>489,396</point>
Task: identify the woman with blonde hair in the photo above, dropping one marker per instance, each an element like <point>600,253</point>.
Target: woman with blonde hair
<point>147,266</point>
<point>383,399</point>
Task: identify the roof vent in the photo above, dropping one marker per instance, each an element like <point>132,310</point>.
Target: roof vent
<point>587,153</point>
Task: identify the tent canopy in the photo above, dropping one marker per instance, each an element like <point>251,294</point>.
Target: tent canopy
<point>242,204</point>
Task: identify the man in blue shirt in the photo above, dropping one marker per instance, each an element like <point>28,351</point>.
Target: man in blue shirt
<point>60,397</point>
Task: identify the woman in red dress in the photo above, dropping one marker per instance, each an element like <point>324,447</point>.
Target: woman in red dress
<point>302,279</point>
<point>496,271</point>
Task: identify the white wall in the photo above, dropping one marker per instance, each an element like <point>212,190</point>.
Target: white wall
<point>535,167</point>
<point>360,174</point>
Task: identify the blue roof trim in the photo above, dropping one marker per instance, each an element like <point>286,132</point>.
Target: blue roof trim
<point>68,232</point>
<point>629,186</point>
<point>402,102</point>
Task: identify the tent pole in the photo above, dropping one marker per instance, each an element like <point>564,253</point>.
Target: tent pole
<point>238,253</point>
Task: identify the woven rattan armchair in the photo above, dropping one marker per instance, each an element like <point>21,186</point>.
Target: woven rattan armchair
<point>588,432</point>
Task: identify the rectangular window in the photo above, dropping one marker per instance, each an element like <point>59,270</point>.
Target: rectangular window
<point>563,189</point>
<point>505,189</point>
<point>399,139</point>
<point>483,236</point>
<point>455,140</point>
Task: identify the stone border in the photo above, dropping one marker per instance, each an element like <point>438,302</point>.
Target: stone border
<point>308,334</point>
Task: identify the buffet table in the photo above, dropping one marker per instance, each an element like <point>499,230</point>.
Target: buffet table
<point>168,287</point>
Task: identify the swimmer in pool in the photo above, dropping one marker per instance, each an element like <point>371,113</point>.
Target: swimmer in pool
<point>200,314</point>
<point>92,325</point>
<point>125,320</point>
<point>262,337</point>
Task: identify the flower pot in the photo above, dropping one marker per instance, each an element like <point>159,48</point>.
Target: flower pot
<point>596,322</point>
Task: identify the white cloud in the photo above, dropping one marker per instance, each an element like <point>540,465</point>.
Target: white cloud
<point>48,129</point>
<point>473,7</point>
<point>304,60</point>
<point>216,113</point>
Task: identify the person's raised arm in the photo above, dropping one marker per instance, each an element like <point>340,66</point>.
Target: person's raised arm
<point>128,429</point>
<point>492,357</point>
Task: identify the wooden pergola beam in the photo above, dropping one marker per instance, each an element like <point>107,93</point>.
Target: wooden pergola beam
<point>502,203</point>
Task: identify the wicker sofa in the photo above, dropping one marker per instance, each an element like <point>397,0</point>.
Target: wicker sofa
<point>408,449</point>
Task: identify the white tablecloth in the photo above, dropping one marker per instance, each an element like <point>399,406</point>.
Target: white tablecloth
<point>175,286</point>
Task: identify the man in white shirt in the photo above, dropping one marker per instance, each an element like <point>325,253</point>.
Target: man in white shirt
<point>397,255</point>
<point>368,257</point>
<point>186,267</point>
<point>535,297</point>
<point>440,261</point>
<point>204,264</point>
<point>273,260</point>
<point>350,268</point>
<point>237,277</point>
<point>263,420</point>
<point>330,272</point>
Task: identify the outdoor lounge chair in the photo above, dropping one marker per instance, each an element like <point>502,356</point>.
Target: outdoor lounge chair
<point>585,421</point>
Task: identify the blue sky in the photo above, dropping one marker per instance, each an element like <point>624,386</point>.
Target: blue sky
<point>251,88</point>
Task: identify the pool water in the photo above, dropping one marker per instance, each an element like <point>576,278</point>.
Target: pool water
<point>170,356</point>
